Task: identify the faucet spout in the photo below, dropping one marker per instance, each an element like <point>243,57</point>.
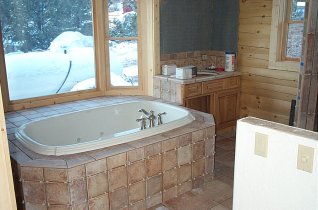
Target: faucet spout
<point>144,111</point>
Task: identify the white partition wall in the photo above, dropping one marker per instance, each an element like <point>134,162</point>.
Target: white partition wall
<point>276,167</point>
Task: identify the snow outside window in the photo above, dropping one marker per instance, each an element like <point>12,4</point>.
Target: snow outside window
<point>48,45</point>
<point>123,42</point>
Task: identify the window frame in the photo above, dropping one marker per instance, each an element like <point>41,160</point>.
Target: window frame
<point>287,22</point>
<point>113,90</point>
<point>148,60</point>
<point>278,38</point>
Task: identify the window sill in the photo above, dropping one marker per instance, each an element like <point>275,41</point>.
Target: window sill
<point>284,65</point>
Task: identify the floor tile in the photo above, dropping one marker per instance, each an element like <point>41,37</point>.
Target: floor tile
<point>193,200</point>
<point>218,191</point>
<point>159,207</point>
<point>226,144</point>
<point>223,170</point>
<point>219,207</point>
<point>228,203</point>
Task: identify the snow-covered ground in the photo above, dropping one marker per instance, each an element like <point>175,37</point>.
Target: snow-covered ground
<point>42,73</point>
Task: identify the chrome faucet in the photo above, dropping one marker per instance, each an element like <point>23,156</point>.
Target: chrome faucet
<point>151,119</point>
<point>144,111</point>
<point>160,118</point>
<point>142,121</point>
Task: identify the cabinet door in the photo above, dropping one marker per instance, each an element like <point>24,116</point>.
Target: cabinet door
<point>200,103</point>
<point>227,108</point>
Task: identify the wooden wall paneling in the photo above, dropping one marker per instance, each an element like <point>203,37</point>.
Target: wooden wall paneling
<point>265,92</point>
<point>7,195</point>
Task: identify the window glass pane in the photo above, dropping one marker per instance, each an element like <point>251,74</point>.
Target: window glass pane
<point>123,63</point>
<point>48,45</point>
<point>294,40</point>
<point>297,10</point>
<point>122,15</point>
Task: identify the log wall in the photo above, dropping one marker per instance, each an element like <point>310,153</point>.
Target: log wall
<point>265,93</point>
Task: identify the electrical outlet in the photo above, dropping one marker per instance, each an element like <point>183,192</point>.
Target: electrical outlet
<point>261,144</point>
<point>305,158</point>
<point>204,57</point>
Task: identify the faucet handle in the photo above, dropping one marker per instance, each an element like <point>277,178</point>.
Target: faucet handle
<point>159,118</point>
<point>162,113</point>
<point>142,121</point>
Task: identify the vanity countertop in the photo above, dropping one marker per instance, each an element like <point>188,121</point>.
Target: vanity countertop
<point>203,75</point>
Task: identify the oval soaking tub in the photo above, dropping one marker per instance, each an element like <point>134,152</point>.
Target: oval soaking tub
<point>97,128</point>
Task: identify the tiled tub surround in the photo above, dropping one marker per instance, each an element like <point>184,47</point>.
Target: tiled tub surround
<point>136,175</point>
<point>91,129</point>
<point>216,58</point>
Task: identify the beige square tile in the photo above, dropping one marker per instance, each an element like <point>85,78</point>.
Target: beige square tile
<point>210,132</point>
<point>31,206</point>
<point>153,165</point>
<point>119,198</point>
<point>170,194</point>
<point>117,178</point>
<point>210,147</point>
<point>198,150</point>
<point>136,154</point>
<point>184,140</point>
<point>219,207</point>
<point>169,160</point>
<point>198,168</point>
<point>34,192</point>
<point>137,192</point>
<point>208,178</point>
<point>228,203</point>
<point>198,136</point>
<point>80,206</point>
<point>153,149</point>
<point>141,205</point>
<point>96,167</point>
<point>218,191</point>
<point>184,187</point>
<point>32,174</point>
<point>191,201</point>
<point>154,185</point>
<point>78,191</point>
<point>59,207</point>
<point>169,144</point>
<point>99,203</point>
<point>184,173</point>
<point>136,171</point>
<point>170,178</point>
<point>57,193</point>
<point>116,161</point>
<point>77,172</point>
<point>55,174</point>
<point>154,200</point>
<point>184,155</point>
<point>209,165</point>
<point>97,185</point>
<point>198,182</point>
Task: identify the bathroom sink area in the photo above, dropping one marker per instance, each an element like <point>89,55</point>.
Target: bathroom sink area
<point>206,73</point>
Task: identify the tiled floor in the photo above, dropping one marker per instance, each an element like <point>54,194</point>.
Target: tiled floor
<point>214,195</point>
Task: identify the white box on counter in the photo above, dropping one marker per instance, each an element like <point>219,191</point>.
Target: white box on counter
<point>169,69</point>
<point>183,73</point>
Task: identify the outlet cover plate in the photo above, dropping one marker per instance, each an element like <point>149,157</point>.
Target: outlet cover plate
<point>305,158</point>
<point>261,144</point>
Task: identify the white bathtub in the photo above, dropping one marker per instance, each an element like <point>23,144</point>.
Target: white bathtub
<point>97,128</point>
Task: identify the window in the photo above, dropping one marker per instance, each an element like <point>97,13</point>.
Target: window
<point>123,42</point>
<point>286,34</point>
<point>293,30</point>
<point>65,50</point>
<point>48,47</point>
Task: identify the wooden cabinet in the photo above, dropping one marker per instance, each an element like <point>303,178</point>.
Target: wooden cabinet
<point>227,108</point>
<point>219,97</point>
